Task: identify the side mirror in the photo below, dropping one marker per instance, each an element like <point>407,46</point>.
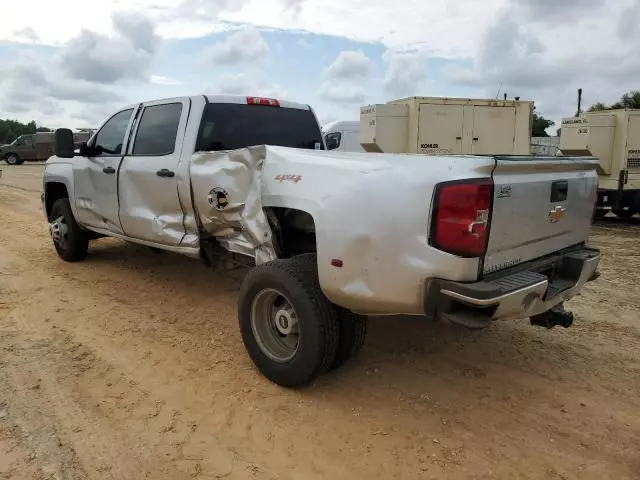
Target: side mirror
<point>83,150</point>
<point>63,143</point>
<point>332,141</point>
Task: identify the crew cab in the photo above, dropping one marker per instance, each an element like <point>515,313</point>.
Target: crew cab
<point>328,237</point>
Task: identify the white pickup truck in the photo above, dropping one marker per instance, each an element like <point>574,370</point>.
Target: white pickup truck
<point>329,237</point>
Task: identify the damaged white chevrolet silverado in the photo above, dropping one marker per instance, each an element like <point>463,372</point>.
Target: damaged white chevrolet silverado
<point>328,237</point>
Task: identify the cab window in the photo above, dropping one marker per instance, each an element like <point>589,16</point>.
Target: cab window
<point>110,138</point>
<point>158,130</point>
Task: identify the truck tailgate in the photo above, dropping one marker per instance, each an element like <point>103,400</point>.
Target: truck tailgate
<point>540,205</point>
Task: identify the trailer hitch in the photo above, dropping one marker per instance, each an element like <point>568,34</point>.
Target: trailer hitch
<point>554,317</point>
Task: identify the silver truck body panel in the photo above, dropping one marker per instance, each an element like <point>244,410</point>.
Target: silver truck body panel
<point>371,212</point>
<point>357,211</point>
<point>526,223</point>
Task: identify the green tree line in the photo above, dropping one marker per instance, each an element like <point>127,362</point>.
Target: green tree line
<point>628,100</point>
<point>12,129</point>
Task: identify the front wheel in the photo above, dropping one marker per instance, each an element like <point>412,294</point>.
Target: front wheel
<point>288,326</point>
<point>13,159</point>
<point>70,241</point>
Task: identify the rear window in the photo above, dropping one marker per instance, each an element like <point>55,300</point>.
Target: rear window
<point>228,126</point>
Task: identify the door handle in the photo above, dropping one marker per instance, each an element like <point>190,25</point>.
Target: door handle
<point>475,139</point>
<point>165,173</point>
<point>109,170</point>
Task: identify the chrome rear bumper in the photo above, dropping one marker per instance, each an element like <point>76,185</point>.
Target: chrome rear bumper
<point>528,291</point>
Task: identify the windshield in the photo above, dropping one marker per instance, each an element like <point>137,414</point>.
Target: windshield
<point>228,126</point>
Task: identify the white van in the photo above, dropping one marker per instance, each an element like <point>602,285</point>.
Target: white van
<point>342,136</point>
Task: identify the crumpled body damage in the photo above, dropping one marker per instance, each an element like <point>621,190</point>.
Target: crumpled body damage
<point>227,198</point>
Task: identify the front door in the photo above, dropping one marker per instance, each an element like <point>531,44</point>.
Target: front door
<point>150,207</point>
<point>95,178</point>
<point>25,148</point>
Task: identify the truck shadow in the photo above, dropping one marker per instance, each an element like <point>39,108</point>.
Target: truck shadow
<point>400,352</point>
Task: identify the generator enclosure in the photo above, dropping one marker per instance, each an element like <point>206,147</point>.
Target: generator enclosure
<point>611,135</point>
<point>447,126</point>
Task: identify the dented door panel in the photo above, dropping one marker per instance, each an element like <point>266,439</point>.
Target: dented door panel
<point>150,205</point>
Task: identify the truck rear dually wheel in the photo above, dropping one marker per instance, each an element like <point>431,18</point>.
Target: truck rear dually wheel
<point>353,331</point>
<point>352,328</point>
<point>70,241</point>
<point>289,328</point>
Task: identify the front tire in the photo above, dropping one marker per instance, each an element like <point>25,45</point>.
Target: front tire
<point>69,240</point>
<point>13,159</point>
<point>289,328</point>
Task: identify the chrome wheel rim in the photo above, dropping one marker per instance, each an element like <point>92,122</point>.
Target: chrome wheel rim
<point>59,231</point>
<point>275,325</point>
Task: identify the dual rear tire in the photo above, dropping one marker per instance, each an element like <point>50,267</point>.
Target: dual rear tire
<point>291,331</point>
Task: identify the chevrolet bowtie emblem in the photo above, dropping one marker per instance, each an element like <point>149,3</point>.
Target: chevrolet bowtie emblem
<point>556,214</point>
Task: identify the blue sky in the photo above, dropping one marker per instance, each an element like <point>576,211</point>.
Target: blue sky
<point>335,56</point>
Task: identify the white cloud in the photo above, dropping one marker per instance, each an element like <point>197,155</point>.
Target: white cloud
<point>342,94</point>
<point>125,55</point>
<point>34,88</point>
<point>246,45</point>
<point>540,49</point>
<point>393,24</point>
<point>243,84</point>
<point>568,45</point>
<point>406,73</point>
<point>343,80</point>
<point>78,83</point>
<point>350,64</point>
<point>161,80</point>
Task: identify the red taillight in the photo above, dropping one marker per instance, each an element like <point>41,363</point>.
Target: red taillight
<point>271,102</point>
<point>461,217</point>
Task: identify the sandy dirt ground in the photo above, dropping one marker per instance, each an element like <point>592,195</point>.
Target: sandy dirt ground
<point>130,366</point>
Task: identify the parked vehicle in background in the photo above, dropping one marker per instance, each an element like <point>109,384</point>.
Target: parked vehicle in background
<point>327,238</point>
<point>613,136</point>
<point>37,146</point>
<point>343,136</point>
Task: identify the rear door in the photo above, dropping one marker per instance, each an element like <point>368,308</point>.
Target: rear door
<point>440,129</point>
<point>541,205</point>
<point>150,208</point>
<point>493,130</point>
